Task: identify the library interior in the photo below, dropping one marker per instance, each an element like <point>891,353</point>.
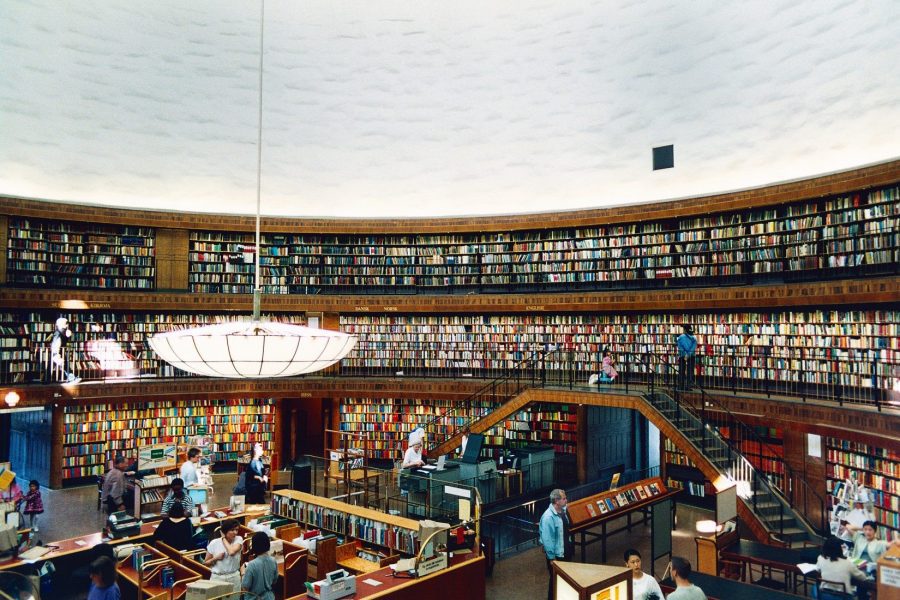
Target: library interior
<point>512,380</point>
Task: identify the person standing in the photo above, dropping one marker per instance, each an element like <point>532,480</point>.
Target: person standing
<point>684,589</point>
<point>61,335</point>
<point>256,477</point>
<point>687,349</point>
<point>113,493</point>
<point>34,504</point>
<point>643,586</point>
<point>188,469</point>
<point>223,555</point>
<point>261,572</point>
<point>555,535</point>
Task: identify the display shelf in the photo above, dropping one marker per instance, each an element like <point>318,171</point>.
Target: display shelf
<point>876,468</point>
<point>94,433</point>
<point>365,524</point>
<point>83,255</point>
<point>856,232</point>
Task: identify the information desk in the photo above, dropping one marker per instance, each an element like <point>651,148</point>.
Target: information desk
<point>719,588</point>
<point>464,578</point>
<point>777,558</point>
<point>889,574</point>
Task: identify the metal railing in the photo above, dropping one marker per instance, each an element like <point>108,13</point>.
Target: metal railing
<point>719,430</point>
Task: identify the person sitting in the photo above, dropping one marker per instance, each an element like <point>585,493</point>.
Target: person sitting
<point>684,589</point>
<point>177,494</point>
<point>103,580</point>
<point>608,367</point>
<point>643,586</point>
<point>866,546</point>
<point>175,530</point>
<point>835,570</point>
<point>413,456</point>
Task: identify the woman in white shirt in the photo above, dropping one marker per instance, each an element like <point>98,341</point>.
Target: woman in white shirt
<point>223,555</point>
<point>834,569</point>
<point>643,586</point>
<point>413,456</point>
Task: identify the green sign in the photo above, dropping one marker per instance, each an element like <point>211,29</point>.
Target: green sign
<point>201,429</point>
<point>157,453</point>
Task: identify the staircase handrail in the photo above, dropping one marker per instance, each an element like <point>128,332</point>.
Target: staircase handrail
<point>748,432</point>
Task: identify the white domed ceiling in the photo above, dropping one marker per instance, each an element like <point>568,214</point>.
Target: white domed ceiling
<point>423,108</point>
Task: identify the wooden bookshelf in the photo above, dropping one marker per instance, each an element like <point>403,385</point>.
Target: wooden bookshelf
<point>387,422</point>
<point>70,254</point>
<point>854,233</point>
<point>371,526</point>
<point>876,468</point>
<point>681,473</point>
<point>94,433</point>
<point>544,424</point>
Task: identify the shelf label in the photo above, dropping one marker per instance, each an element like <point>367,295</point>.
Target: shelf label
<point>361,308</point>
<point>534,307</point>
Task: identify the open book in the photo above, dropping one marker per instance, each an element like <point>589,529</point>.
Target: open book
<point>807,568</point>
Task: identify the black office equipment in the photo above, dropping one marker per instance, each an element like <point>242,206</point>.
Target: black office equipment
<point>473,449</point>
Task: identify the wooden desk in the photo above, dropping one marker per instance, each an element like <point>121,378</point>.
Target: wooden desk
<point>510,482</point>
<point>84,543</point>
<point>464,573</point>
<point>719,588</point>
<point>129,578</point>
<point>781,559</point>
<point>889,575</point>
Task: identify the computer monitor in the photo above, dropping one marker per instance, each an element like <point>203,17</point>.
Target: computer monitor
<point>440,462</point>
<point>198,495</point>
<point>473,449</point>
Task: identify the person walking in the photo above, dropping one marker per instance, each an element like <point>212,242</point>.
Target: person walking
<point>34,504</point>
<point>256,478</point>
<point>113,492</point>
<point>555,535</point>
<point>188,471</point>
<point>687,349</point>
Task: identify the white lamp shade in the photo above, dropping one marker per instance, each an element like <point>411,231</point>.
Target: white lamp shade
<point>252,349</point>
<point>707,526</point>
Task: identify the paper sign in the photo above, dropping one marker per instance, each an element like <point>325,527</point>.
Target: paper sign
<point>372,581</point>
<point>465,509</point>
<point>6,479</point>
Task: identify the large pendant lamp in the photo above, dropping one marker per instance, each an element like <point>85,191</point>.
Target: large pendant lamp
<point>257,348</point>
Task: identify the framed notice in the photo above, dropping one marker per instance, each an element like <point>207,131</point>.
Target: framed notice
<point>157,456</point>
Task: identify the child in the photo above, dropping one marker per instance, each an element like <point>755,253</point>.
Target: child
<point>103,580</point>
<point>33,504</point>
<point>608,369</point>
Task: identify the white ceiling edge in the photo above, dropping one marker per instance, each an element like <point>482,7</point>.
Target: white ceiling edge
<point>386,108</point>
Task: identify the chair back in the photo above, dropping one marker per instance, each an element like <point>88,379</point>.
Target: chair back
<point>836,590</point>
<point>707,556</point>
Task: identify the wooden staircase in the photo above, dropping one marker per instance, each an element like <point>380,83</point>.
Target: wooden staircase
<point>482,424</point>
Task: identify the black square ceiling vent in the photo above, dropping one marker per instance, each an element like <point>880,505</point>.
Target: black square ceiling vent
<point>663,157</point>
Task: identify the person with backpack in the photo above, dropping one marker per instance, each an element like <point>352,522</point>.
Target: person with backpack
<point>687,350</point>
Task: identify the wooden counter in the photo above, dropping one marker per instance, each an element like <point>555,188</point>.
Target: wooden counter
<point>888,577</point>
<point>464,573</point>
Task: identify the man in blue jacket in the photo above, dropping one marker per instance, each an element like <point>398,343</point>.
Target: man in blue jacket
<point>555,536</point>
<point>687,348</point>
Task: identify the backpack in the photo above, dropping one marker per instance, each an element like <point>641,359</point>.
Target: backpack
<point>240,488</point>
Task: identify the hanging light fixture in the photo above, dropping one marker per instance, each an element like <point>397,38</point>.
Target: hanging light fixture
<point>256,348</point>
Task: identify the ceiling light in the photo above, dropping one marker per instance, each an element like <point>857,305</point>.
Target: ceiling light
<point>254,348</point>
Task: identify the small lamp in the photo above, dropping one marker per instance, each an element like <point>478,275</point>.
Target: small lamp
<point>12,398</point>
<point>707,526</point>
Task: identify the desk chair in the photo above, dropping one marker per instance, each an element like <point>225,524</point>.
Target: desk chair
<point>831,593</point>
<point>765,576</point>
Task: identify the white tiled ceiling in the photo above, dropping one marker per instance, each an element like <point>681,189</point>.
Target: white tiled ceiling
<point>418,108</point>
